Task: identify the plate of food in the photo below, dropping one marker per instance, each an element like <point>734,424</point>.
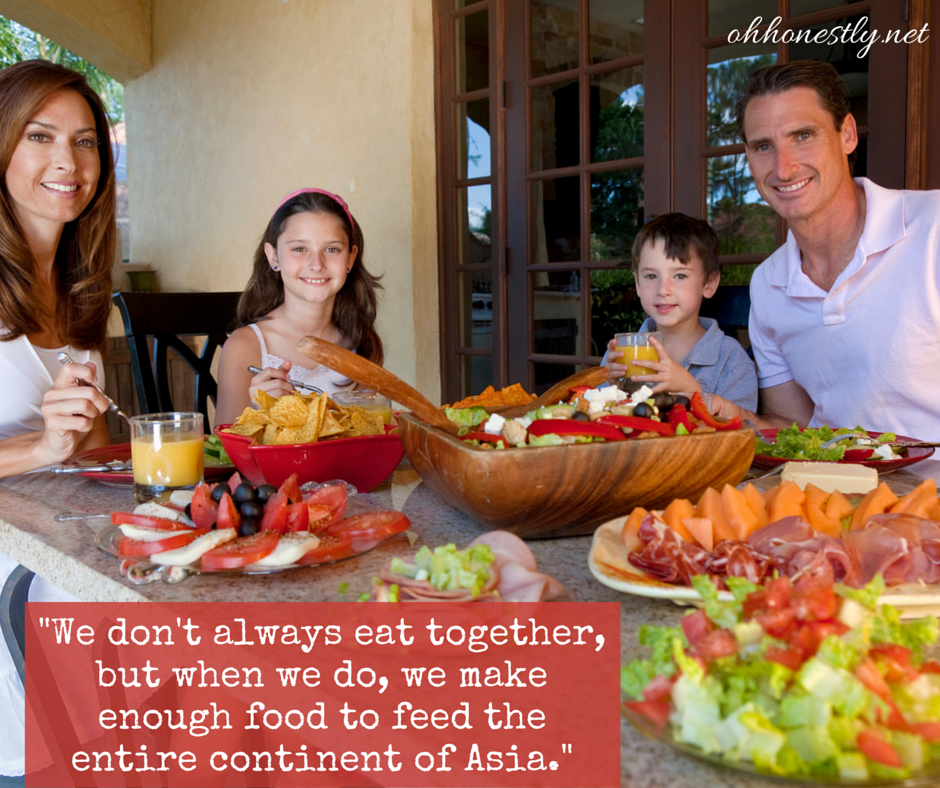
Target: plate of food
<point>795,444</point>
<point>216,464</point>
<point>846,695</point>
<point>785,531</point>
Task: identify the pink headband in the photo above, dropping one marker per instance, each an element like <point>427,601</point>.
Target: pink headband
<point>335,197</point>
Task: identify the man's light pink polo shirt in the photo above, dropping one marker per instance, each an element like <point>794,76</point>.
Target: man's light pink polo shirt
<point>868,351</point>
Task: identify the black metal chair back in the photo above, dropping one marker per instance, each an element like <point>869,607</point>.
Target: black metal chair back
<point>167,317</point>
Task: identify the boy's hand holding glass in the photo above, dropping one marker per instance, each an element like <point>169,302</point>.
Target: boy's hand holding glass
<point>668,375</point>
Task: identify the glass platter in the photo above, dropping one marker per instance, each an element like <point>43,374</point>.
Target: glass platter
<point>882,466</point>
<point>929,777</point>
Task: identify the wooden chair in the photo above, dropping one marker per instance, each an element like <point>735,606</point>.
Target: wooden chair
<point>166,317</point>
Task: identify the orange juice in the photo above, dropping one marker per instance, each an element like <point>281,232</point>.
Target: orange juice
<point>175,460</point>
<point>636,352</point>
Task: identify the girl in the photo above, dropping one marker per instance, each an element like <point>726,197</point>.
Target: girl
<point>56,249</point>
<point>308,279</point>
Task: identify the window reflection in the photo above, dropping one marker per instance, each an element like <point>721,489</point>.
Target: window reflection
<point>616,29</point>
<point>617,115</point>
<point>473,139</point>
<point>728,70</point>
<point>554,36</point>
<point>615,306</point>
<point>474,222</point>
<point>472,51</point>
<point>556,133</point>
<point>475,306</point>
<point>744,223</point>
<point>556,226</point>
<point>616,212</point>
<point>476,373</point>
<point>727,15</point>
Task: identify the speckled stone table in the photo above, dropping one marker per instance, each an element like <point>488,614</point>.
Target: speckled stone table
<point>65,553</point>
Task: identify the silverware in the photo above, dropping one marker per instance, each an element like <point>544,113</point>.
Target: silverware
<point>295,383</point>
<point>874,443</point>
<point>116,466</point>
<point>764,475</point>
<point>65,358</point>
<point>65,517</point>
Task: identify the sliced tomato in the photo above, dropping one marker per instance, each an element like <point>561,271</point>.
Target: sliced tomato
<point>234,481</point>
<point>228,513</point>
<point>814,600</point>
<point>790,657</point>
<point>291,489</point>
<point>894,652</point>
<point>872,745</point>
<point>929,730</point>
<point>931,666</point>
<point>204,510</point>
<point>778,623</point>
<point>717,644</point>
<point>660,688</point>
<point>298,517</point>
<point>240,552</point>
<point>331,548</point>
<point>372,526</point>
<point>657,711</point>
<point>319,517</point>
<point>868,674</point>
<point>129,548</point>
<point>333,497</point>
<point>275,514</point>
<point>144,521</point>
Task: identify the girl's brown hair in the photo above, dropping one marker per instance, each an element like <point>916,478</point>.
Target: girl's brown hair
<point>355,306</point>
<point>86,249</point>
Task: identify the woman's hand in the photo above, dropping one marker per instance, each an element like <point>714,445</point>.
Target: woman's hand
<point>69,411</point>
<point>271,380</point>
<point>667,374</point>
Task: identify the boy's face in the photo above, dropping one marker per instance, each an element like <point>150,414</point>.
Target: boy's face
<point>670,291</point>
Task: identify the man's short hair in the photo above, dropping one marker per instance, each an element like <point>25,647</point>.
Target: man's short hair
<point>682,236</point>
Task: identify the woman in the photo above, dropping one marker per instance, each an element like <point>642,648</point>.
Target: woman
<point>57,236</point>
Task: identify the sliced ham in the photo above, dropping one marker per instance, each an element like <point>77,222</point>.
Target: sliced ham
<point>903,548</point>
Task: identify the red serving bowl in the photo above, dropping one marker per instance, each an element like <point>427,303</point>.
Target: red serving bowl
<point>364,461</point>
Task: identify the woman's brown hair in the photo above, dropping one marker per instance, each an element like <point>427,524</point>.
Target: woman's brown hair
<point>86,249</point>
<point>355,306</point>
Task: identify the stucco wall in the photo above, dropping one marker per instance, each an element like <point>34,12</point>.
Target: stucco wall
<point>250,99</point>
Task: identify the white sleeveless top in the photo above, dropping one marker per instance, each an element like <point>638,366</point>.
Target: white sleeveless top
<point>320,376</point>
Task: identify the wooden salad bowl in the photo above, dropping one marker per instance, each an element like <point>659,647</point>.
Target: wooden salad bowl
<point>551,491</point>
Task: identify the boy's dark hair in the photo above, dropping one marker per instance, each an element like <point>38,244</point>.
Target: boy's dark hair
<point>682,236</point>
<point>815,74</point>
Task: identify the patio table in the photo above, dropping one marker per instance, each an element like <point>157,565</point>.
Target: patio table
<point>65,553</point>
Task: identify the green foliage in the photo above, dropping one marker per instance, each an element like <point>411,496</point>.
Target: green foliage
<point>20,43</point>
<point>615,306</point>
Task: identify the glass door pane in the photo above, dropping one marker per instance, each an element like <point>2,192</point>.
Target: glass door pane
<point>554,36</point>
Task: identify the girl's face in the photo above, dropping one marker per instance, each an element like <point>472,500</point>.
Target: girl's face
<point>313,256</point>
<point>54,170</point>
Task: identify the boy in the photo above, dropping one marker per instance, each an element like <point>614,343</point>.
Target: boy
<point>675,262</point>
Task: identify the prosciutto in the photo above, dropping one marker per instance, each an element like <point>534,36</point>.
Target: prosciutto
<point>795,547</point>
<point>903,548</point>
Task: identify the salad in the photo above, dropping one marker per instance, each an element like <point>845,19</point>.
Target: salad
<point>808,680</point>
<point>794,443</point>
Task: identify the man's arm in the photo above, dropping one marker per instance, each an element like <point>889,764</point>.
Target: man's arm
<point>780,406</point>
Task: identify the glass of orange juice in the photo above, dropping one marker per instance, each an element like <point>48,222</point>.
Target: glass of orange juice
<point>166,452</point>
<point>365,398</point>
<point>636,346</point>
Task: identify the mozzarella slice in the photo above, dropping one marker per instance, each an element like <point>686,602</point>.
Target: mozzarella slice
<point>290,548</point>
<point>152,509</point>
<point>195,549</point>
<point>181,497</point>
<point>147,534</point>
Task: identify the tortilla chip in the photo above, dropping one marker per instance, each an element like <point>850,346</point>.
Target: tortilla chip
<point>270,435</point>
<point>365,422</point>
<point>286,435</point>
<point>331,427</point>
<point>289,411</point>
<point>265,400</point>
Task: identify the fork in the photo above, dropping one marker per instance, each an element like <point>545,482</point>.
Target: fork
<point>65,358</point>
<point>892,444</point>
<point>295,383</point>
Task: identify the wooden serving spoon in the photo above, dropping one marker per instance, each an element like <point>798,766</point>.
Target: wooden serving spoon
<point>375,377</point>
<point>592,376</point>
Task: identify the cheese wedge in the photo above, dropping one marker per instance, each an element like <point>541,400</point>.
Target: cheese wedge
<point>147,534</point>
<point>195,549</point>
<point>830,476</point>
<point>152,509</point>
<point>290,548</point>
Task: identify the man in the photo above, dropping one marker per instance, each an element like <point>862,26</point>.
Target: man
<point>845,316</point>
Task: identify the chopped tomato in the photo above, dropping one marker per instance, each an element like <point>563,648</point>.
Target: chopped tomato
<point>931,666</point>
<point>372,526</point>
<point>657,711</point>
<point>717,644</point>
<point>319,517</point>
<point>291,489</point>
<point>228,516</point>
<point>894,719</point>
<point>929,730</point>
<point>333,497</point>
<point>204,509</point>
<point>275,514</point>
<point>660,688</point>
<point>777,593</point>
<point>696,625</point>
<point>234,481</point>
<point>755,602</point>
<point>894,661</point>
<point>129,548</point>
<point>814,600</point>
<point>779,623</point>
<point>143,521</point>
<point>868,674</point>
<point>298,516</point>
<point>331,548</point>
<point>899,654</point>
<point>240,552</point>
<point>790,657</point>
<point>872,745</point>
<point>810,634</point>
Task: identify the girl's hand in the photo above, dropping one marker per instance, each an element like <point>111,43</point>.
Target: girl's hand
<point>271,380</point>
<point>615,370</point>
<point>69,412</point>
<point>667,374</point>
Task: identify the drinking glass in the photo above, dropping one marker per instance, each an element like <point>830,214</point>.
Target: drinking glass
<point>167,453</point>
<point>636,346</point>
<point>365,398</point>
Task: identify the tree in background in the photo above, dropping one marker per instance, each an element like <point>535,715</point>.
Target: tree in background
<point>20,43</point>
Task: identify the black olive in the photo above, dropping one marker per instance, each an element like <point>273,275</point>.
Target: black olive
<point>251,509</point>
<point>264,492</point>
<point>248,527</point>
<point>580,416</point>
<point>629,386</point>
<point>243,493</point>
<point>218,491</point>
<point>663,401</point>
<point>644,410</point>
<point>189,511</point>
<point>681,399</point>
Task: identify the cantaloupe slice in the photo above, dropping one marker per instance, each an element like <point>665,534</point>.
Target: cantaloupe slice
<point>838,506</point>
<point>740,515</point>
<point>756,500</point>
<point>877,501</point>
<point>675,513</point>
<point>814,506</point>
<point>710,506</point>
<point>919,502</point>
<point>702,531</point>
<point>628,535</point>
<point>787,502</point>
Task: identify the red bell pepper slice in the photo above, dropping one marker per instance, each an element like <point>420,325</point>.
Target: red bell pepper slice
<point>679,415</point>
<point>592,429</point>
<point>484,437</point>
<point>701,412</point>
<point>638,423</point>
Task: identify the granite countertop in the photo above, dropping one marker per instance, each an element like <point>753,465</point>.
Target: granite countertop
<point>65,553</point>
